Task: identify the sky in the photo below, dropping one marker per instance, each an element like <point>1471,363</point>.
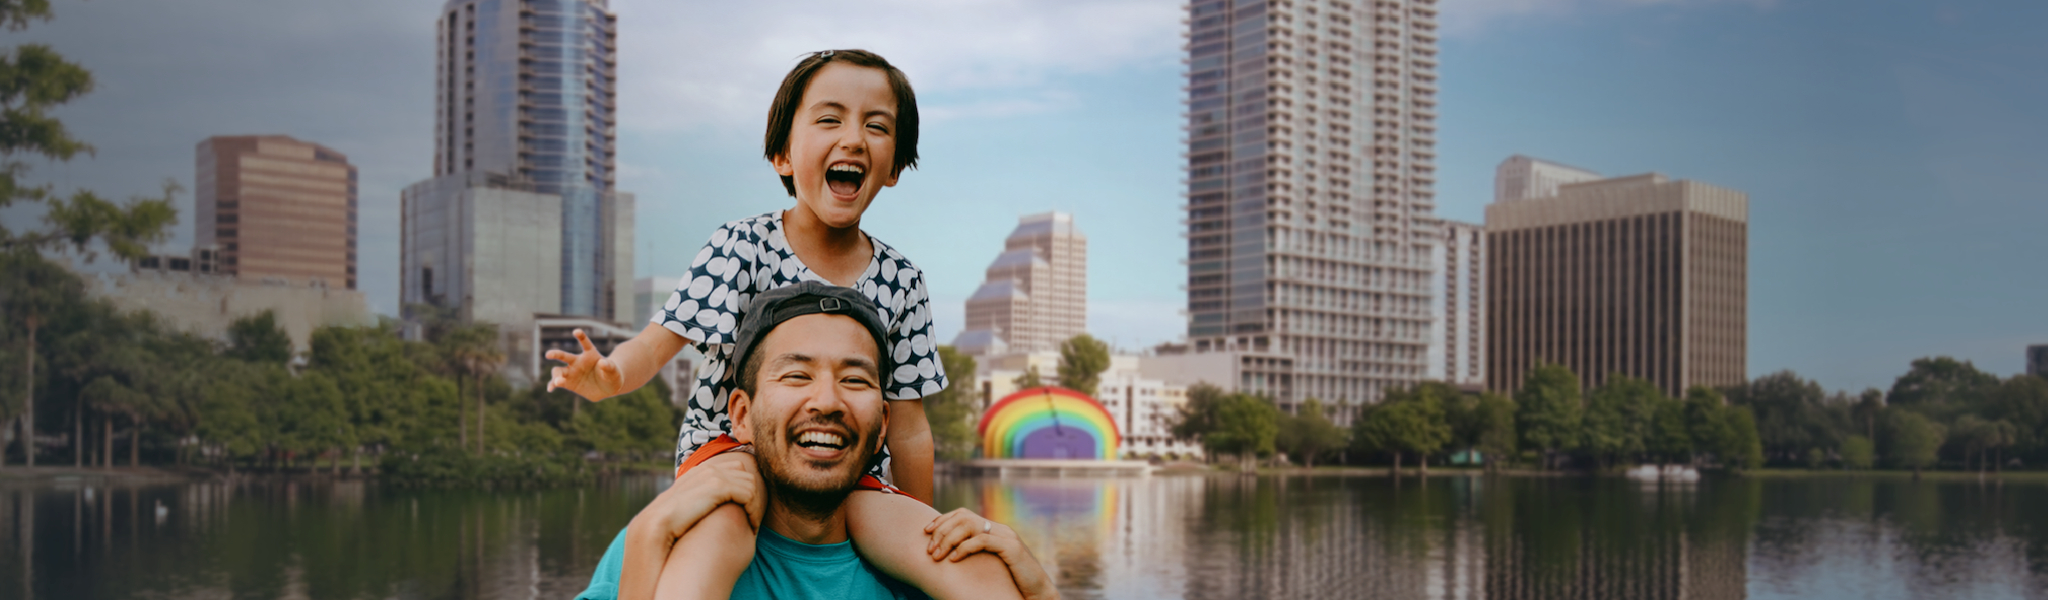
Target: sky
<point>1895,152</point>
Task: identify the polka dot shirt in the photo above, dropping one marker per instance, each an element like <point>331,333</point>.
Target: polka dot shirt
<point>750,256</point>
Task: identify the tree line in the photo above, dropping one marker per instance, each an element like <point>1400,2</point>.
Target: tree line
<point>1941,413</point>
<point>118,387</point>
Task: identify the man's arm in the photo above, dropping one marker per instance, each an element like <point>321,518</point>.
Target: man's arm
<point>910,449</point>
<point>595,376</point>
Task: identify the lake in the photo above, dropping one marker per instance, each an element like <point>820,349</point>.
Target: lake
<point>1164,536</point>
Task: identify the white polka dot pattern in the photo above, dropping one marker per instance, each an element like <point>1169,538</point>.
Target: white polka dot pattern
<point>750,256</point>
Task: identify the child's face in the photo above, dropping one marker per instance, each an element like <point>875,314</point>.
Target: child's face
<point>842,143</point>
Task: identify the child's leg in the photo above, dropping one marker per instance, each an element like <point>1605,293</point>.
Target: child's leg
<point>709,559</point>
<point>888,531</point>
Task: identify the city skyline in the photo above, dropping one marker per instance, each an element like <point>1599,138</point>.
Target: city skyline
<point>1888,156</point>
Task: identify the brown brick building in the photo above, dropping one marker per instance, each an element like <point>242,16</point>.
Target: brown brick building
<point>273,206</point>
<point>1636,275</point>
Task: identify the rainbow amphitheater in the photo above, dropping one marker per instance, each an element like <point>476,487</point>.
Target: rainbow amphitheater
<point>1050,429</point>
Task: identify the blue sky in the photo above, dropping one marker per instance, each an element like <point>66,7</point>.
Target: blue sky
<point>1895,152</point>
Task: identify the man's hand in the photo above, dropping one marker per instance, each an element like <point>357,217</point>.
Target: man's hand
<point>589,374</point>
<point>957,534</point>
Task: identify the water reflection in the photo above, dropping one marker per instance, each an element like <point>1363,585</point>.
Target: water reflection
<point>1199,537</point>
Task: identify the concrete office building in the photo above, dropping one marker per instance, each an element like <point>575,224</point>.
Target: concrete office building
<point>1639,276</point>
<point>2037,360</point>
<point>521,217</point>
<point>1521,178</point>
<point>191,296</point>
<point>1035,295</point>
<point>277,207</point>
<point>1458,340</point>
<point>1311,185</point>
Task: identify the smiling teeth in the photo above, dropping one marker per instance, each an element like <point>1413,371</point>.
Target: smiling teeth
<point>818,437</point>
<point>854,169</point>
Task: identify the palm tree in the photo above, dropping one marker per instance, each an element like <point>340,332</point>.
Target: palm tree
<point>475,349</point>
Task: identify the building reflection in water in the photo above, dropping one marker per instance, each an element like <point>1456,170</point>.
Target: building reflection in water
<point>1453,537</point>
<point>1200,536</point>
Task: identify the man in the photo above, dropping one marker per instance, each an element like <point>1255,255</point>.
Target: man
<point>809,406</point>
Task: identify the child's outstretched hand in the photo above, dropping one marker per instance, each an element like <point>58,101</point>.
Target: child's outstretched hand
<point>589,374</point>
<point>957,534</point>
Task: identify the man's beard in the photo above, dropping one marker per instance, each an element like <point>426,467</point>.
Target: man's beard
<point>807,493</point>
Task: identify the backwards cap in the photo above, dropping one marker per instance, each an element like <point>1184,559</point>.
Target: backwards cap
<point>775,306</point>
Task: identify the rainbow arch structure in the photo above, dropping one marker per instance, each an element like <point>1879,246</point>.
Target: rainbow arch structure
<point>1049,422</point>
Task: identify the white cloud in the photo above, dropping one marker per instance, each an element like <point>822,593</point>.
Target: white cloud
<point>694,65</point>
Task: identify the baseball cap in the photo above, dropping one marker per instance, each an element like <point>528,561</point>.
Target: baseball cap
<point>773,307</point>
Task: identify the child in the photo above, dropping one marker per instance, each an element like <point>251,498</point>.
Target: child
<point>843,126</point>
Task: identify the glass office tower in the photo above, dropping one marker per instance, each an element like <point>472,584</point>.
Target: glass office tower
<point>525,93</point>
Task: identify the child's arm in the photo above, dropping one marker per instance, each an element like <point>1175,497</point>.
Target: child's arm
<point>910,449</point>
<point>961,533</point>
<point>595,376</point>
<point>888,531</point>
<point>679,519</point>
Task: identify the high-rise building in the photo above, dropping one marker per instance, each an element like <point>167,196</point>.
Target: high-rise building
<point>1036,292</point>
<point>521,217</point>
<point>2037,360</point>
<point>1458,341</point>
<point>1638,276</point>
<point>1521,178</point>
<point>1311,188</point>
<point>275,207</point>
<point>524,96</point>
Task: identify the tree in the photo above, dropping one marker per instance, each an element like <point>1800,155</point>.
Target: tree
<point>258,338</point>
<point>1858,453</point>
<point>1403,425</point>
<point>1915,440</point>
<point>1979,437</point>
<point>1671,439</point>
<point>1941,388</point>
<point>1245,425</point>
<point>1793,414</point>
<point>1551,414</point>
<point>1029,379</point>
<point>2023,401</point>
<point>1621,418</point>
<point>34,290</point>
<point>1496,430</point>
<point>952,411</point>
<point>1196,418</point>
<point>1082,361</point>
<point>1309,433</point>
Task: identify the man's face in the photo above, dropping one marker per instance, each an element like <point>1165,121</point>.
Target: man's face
<point>817,414</point>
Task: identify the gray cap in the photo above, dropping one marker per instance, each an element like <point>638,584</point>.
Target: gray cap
<point>774,306</point>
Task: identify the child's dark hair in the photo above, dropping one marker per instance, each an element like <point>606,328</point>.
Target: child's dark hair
<point>782,113</point>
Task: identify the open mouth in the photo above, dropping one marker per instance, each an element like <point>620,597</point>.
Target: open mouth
<point>845,179</point>
<point>819,440</point>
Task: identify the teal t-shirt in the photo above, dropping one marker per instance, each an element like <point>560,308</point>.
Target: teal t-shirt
<point>782,568</point>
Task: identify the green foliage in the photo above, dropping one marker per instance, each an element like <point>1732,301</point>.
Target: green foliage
<point>1551,415</point>
<point>1794,414</point>
<point>632,426</point>
<point>1082,361</point>
<point>1915,440</point>
<point>1405,422</point>
<point>1941,388</point>
<point>1496,416</point>
<point>1198,416</point>
<point>1621,418</point>
<point>1246,425</point>
<point>1309,433</point>
<point>258,338</point>
<point>953,411</point>
<point>1671,439</point>
<point>1858,453</point>
<point>1029,379</point>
